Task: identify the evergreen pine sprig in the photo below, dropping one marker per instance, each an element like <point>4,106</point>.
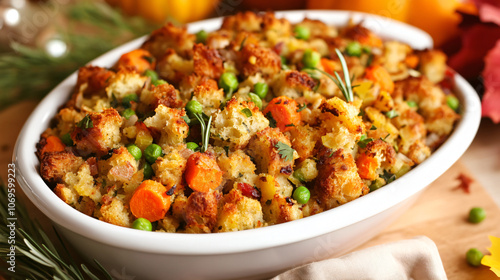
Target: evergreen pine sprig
<point>30,73</point>
<point>36,256</point>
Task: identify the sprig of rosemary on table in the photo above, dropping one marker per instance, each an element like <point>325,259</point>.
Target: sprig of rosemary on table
<point>36,256</point>
<point>30,73</point>
<point>346,85</point>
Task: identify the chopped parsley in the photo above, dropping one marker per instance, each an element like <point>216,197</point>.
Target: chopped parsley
<point>272,121</point>
<point>285,151</point>
<point>289,125</point>
<point>391,114</point>
<point>149,59</point>
<point>412,104</point>
<point>363,141</point>
<point>85,123</point>
<point>226,148</point>
<point>373,127</point>
<point>247,112</point>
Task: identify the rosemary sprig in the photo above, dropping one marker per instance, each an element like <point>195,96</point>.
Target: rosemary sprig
<point>205,131</point>
<point>36,256</point>
<point>346,85</point>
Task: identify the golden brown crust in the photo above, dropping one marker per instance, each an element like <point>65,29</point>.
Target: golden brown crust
<point>207,62</point>
<point>254,59</point>
<point>54,165</point>
<point>170,37</point>
<point>201,210</point>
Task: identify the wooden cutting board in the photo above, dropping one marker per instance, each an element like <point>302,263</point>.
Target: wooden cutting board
<point>440,213</point>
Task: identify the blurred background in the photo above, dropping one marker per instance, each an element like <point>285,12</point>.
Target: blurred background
<point>43,41</point>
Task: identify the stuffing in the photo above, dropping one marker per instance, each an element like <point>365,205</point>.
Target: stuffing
<point>164,94</point>
<point>54,165</point>
<point>173,68</point>
<point>170,37</point>
<point>125,82</point>
<point>99,133</point>
<point>66,120</point>
<point>210,98</point>
<point>242,21</point>
<point>237,123</point>
<point>253,59</point>
<point>238,212</point>
<point>201,211</point>
<point>292,83</point>
<point>338,181</point>
<point>304,138</point>
<point>207,62</point>
<point>115,212</point>
<point>171,125</point>
<point>169,168</point>
<point>281,210</point>
<point>242,172</point>
<point>363,35</point>
<point>263,148</point>
<point>237,166</point>
<point>433,65</point>
<point>394,55</point>
<point>93,79</point>
<point>120,167</point>
<point>83,183</point>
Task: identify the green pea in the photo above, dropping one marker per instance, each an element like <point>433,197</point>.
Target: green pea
<point>142,224</point>
<point>261,89</point>
<point>228,82</point>
<point>135,151</point>
<point>302,32</point>
<point>152,152</point>
<point>256,100</point>
<point>151,74</point>
<point>302,195</point>
<point>148,171</point>
<point>452,102</point>
<point>129,98</point>
<point>158,82</point>
<point>194,107</point>
<point>192,146</point>
<point>299,175</point>
<point>353,49</point>
<point>127,113</point>
<point>311,58</point>
<point>201,36</point>
<point>477,215</point>
<point>474,257</point>
<point>66,139</point>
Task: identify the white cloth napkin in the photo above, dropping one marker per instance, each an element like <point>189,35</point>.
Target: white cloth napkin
<point>416,258</point>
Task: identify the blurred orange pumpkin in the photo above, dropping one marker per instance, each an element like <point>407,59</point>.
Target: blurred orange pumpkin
<point>159,10</point>
<point>437,17</point>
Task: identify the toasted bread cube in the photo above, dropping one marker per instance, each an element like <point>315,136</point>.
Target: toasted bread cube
<point>116,212</point>
<point>173,67</point>
<point>170,37</point>
<point>433,65</point>
<point>292,83</point>
<point>54,165</point>
<point>263,148</point>
<point>207,62</point>
<point>237,123</point>
<point>169,168</point>
<point>102,135</point>
<point>171,125</point>
<point>281,210</point>
<point>210,98</point>
<point>201,211</point>
<point>125,82</point>
<point>238,212</point>
<point>338,181</point>
<point>254,59</point>
<point>120,167</point>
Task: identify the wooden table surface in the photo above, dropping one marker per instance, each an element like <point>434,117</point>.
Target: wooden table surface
<point>440,213</point>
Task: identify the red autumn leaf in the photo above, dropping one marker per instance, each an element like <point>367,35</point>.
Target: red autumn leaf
<point>491,76</point>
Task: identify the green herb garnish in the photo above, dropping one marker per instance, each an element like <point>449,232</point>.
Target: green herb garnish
<point>272,121</point>
<point>346,85</point>
<point>285,151</point>
<point>392,114</point>
<point>247,112</point>
<point>85,123</point>
<point>363,141</point>
<point>302,107</point>
<point>205,131</point>
<point>388,177</point>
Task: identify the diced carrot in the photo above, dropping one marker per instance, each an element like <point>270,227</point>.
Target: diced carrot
<point>283,109</point>
<point>150,201</point>
<point>202,172</point>
<point>140,60</point>
<point>412,61</point>
<point>53,144</point>
<point>380,76</point>
<point>367,166</point>
<point>329,65</point>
